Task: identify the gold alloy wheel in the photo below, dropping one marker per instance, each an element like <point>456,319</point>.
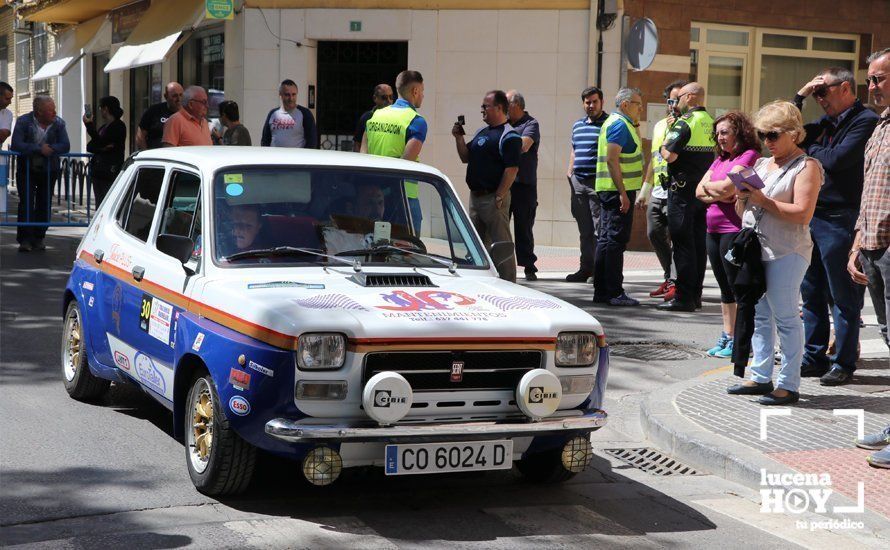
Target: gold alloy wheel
<point>201,434</point>
<point>72,345</point>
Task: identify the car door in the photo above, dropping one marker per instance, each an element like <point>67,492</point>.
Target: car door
<point>161,284</point>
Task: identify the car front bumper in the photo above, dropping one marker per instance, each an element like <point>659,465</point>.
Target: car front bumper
<point>562,422</point>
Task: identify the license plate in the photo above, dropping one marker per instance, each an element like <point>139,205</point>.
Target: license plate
<point>434,458</point>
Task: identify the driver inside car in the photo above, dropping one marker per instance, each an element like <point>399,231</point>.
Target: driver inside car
<point>248,229</point>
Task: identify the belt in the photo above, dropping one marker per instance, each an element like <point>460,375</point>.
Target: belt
<point>482,192</point>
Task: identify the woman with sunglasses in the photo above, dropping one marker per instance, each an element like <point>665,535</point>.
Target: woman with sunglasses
<point>780,213</point>
<point>736,148</point>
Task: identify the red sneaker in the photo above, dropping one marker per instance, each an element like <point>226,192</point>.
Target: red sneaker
<point>670,293</point>
<point>662,288</point>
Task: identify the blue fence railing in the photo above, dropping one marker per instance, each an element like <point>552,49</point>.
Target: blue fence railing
<point>70,185</point>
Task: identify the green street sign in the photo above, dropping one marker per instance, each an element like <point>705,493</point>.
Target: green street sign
<point>355,26</point>
<point>219,9</point>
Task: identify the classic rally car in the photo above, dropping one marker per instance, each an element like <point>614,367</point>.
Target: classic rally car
<point>334,308</point>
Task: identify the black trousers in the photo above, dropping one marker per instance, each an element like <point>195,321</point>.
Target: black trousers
<point>724,271</point>
<point>36,207</point>
<point>523,207</point>
<point>586,211</point>
<point>101,185</point>
<point>614,234</point>
<point>688,227</point>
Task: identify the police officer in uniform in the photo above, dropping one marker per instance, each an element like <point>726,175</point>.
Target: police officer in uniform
<point>398,131</point>
<point>689,151</point>
<point>654,195</point>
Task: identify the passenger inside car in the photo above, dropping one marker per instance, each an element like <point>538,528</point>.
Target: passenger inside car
<point>248,229</point>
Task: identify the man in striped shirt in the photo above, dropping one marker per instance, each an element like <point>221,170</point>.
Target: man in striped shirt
<point>582,176</point>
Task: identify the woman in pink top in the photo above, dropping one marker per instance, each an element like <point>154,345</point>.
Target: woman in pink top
<point>737,148</point>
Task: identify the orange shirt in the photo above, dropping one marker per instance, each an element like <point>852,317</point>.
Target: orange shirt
<point>183,129</point>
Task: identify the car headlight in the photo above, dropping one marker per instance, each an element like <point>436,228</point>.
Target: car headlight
<point>321,351</point>
<point>575,349</point>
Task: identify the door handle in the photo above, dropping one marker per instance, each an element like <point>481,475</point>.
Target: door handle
<point>138,272</point>
<point>99,255</point>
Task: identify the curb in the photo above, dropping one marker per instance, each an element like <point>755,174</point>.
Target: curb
<point>666,428</point>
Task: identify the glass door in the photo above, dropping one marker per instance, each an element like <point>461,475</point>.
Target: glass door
<point>724,76</point>
<point>146,89</point>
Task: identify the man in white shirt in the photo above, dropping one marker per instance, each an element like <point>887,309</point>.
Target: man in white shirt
<point>290,125</point>
<point>5,131</point>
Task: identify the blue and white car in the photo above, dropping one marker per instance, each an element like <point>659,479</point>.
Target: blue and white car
<point>334,308</point>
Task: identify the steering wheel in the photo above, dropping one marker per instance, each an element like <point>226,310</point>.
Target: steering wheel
<point>415,242</point>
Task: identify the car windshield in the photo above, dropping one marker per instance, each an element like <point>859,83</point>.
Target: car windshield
<point>314,215</point>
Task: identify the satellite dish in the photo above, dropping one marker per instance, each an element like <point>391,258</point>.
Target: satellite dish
<point>641,44</point>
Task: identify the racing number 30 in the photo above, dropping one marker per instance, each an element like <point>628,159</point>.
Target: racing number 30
<point>451,457</point>
<point>145,312</point>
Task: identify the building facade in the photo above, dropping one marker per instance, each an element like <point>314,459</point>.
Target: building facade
<point>745,53</point>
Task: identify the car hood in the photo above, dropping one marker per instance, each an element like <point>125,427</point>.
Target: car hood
<point>457,306</point>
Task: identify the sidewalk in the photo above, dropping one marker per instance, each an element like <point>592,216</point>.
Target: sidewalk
<point>699,423</point>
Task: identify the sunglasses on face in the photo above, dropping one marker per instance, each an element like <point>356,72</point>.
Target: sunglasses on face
<point>822,91</point>
<point>484,107</point>
<point>772,135</point>
<point>201,101</point>
<point>389,97</point>
<point>875,79</point>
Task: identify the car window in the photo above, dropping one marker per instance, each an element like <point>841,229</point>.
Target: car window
<point>182,200</point>
<point>338,211</point>
<point>138,209</point>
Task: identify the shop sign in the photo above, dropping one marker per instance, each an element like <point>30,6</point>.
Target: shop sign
<point>219,9</point>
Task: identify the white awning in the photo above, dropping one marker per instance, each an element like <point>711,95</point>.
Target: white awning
<point>163,26</point>
<point>71,47</point>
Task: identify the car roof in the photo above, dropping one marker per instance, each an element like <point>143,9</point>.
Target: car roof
<point>210,159</point>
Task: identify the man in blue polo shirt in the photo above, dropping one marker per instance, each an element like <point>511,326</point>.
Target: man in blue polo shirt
<point>492,159</point>
<point>582,174</point>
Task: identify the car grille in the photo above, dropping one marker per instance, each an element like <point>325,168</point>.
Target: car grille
<point>431,370</point>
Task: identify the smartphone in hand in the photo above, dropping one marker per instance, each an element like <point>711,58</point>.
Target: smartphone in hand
<point>88,110</point>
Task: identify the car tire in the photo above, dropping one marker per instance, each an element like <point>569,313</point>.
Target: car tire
<point>80,383</point>
<point>225,465</point>
<point>544,467</point>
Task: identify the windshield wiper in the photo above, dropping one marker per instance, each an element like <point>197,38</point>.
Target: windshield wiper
<point>442,260</point>
<point>290,251</point>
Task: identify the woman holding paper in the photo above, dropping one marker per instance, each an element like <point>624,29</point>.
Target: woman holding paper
<point>737,148</point>
<point>781,214</point>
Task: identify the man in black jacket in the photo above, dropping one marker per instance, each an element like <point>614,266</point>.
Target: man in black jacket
<point>837,140</point>
<point>290,125</point>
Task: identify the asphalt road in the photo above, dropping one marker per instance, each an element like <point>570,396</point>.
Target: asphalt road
<point>110,474</point>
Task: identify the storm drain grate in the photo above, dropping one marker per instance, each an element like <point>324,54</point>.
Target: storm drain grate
<point>653,351</point>
<point>652,462</point>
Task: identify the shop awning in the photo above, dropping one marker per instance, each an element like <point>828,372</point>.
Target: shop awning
<point>66,11</point>
<point>163,26</point>
<point>71,48</point>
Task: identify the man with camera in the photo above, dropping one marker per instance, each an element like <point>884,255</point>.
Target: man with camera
<point>689,152</point>
<point>655,193</point>
<point>492,159</point>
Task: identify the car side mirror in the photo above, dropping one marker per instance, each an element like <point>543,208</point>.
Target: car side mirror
<point>177,246</point>
<point>501,251</point>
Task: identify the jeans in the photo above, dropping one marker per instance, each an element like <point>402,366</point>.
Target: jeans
<point>876,266</point>
<point>778,309</point>
<point>686,219</point>
<point>586,211</point>
<point>416,215</point>
<point>38,205</point>
<point>615,227</point>
<point>828,289</point>
<point>523,207</point>
<point>659,235</point>
<point>493,226</point>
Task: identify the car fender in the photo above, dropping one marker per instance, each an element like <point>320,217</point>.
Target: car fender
<point>254,381</point>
